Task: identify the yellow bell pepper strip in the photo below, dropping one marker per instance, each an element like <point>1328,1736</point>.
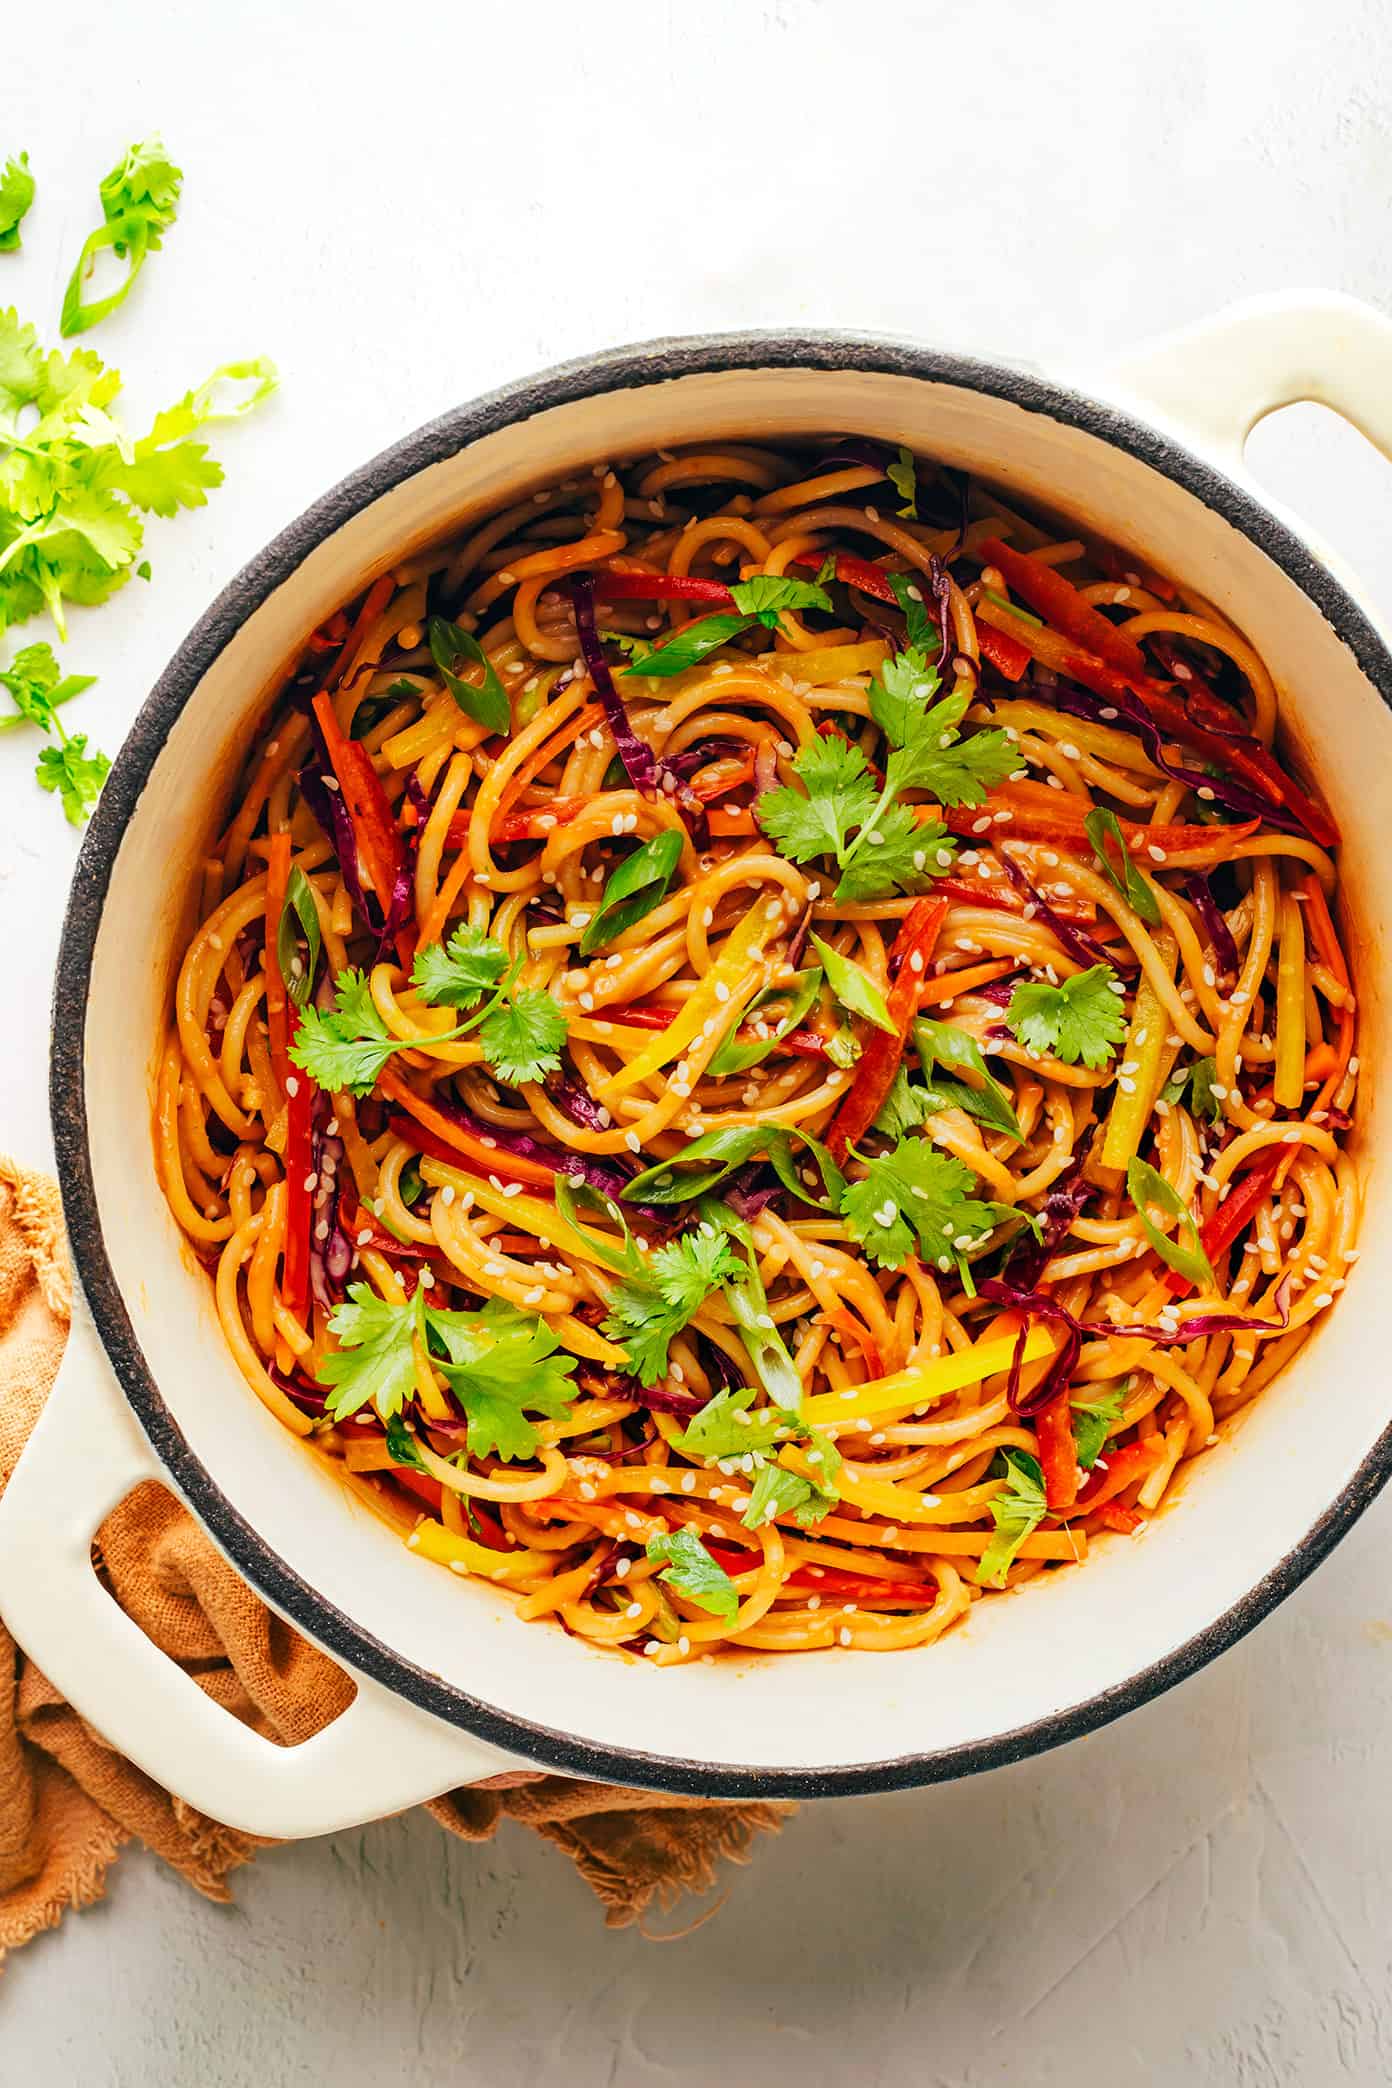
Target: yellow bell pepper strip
<point>1288,1087</point>
<point>448,1548</point>
<point>1141,1067</point>
<point>740,971</point>
<point>829,663</point>
<point>925,1382</point>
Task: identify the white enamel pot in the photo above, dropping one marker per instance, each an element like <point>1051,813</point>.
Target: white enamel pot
<point>451,1687</point>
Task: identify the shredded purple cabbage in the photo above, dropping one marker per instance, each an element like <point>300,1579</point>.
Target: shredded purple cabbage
<point>1128,710</point>
<point>636,755</point>
<point>295,1385</point>
<point>1200,890</point>
<point>1067,1195</point>
<point>852,450</point>
<point>740,1193</point>
<point>718,747</point>
<point>1078,943</point>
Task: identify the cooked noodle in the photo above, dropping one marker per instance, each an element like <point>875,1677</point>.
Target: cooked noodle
<point>443,1176</point>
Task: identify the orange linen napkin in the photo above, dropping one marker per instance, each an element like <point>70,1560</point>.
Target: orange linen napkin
<point>68,1801</point>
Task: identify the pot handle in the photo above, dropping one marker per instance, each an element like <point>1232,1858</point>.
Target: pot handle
<point>1216,379</point>
<point>84,1456</point>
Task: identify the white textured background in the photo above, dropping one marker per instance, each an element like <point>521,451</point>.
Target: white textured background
<point>405,204</point>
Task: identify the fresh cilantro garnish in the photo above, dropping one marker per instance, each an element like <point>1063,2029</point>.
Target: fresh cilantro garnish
<point>917,1196</point>
<point>646,1312</point>
<point>725,1428</point>
<point>880,847</point>
<point>634,889</point>
<point>401,1444</point>
<point>1016,1510</point>
<point>854,987</point>
<point>903,476</point>
<point>73,482</point>
<point>299,920</point>
<point>503,1364</point>
<point>777,1491</point>
<point>1103,828</point>
<point>139,199</point>
<point>921,631</point>
<point>1145,1186</point>
<point>1097,1412</point>
<point>37,687</point>
<point>458,973</point>
<point>486,699</point>
<point>522,1038</point>
<point>692,1571</point>
<point>521,1032</point>
<point>16,194</point>
<point>757,601</point>
<point>1080,1021</point>
<point>75,774</point>
<point>500,1364</point>
<point>1197,1079</point>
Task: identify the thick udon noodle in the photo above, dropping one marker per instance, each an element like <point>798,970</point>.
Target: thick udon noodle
<point>517,835</point>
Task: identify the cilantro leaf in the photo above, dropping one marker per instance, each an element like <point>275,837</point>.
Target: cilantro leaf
<point>918,1196</point>
<point>16,194</point>
<point>139,198</point>
<point>778,1491</point>
<point>375,1361</point>
<point>502,1366</point>
<point>458,973</point>
<point>646,1312</point>
<point>1081,1020</point>
<point>854,987</point>
<point>346,1046</point>
<point>75,774</point>
<point>901,694</point>
<point>897,853</point>
<point>839,795</point>
<point>1196,1078</point>
<point>1145,1186</point>
<point>1016,1510</point>
<point>401,1444</point>
<point>903,476</point>
<point>522,1038</point>
<point>634,889</point>
<point>38,686</point>
<point>1103,827</point>
<point>766,595</point>
<point>694,1573</point>
<point>905,1108</point>
<point>922,632</point>
<point>1097,1413</point>
<point>725,1428</point>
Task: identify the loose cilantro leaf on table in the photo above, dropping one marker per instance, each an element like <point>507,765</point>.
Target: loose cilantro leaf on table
<point>1081,1021</point>
<point>16,194</point>
<point>1016,1510</point>
<point>692,1571</point>
<point>38,687</point>
<point>139,199</point>
<point>915,1197</point>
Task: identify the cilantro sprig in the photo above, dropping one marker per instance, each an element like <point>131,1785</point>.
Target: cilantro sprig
<point>690,1569</point>
<point>879,846</point>
<point>917,1197</point>
<point>653,1304</point>
<point>1096,1412</point>
<point>758,601</point>
<point>501,1365</point>
<point>139,199</point>
<point>16,194</point>
<point>521,1032</point>
<point>37,687</point>
<point>1081,1022</point>
<point>1017,1510</point>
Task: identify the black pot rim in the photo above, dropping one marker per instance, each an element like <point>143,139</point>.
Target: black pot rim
<point>621,369</point>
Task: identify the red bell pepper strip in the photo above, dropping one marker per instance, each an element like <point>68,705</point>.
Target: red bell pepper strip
<point>1058,601</point>
<point>379,840</point>
<point>300,1093</point>
<point>277,1000</point>
<point>1121,565</point>
<point>828,1580</point>
<point>879,1061</point>
<point>800,1043</point>
<point>453,1144</point>
<point>855,572</point>
<point>1058,1454</point>
<point>364,1231</point>
<point>1233,1214</point>
<point>1038,813</point>
<point>419,1485</point>
<point>1115,1470</point>
<point>634,586</point>
<point>1002,652</point>
<point>1124,1520</point>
